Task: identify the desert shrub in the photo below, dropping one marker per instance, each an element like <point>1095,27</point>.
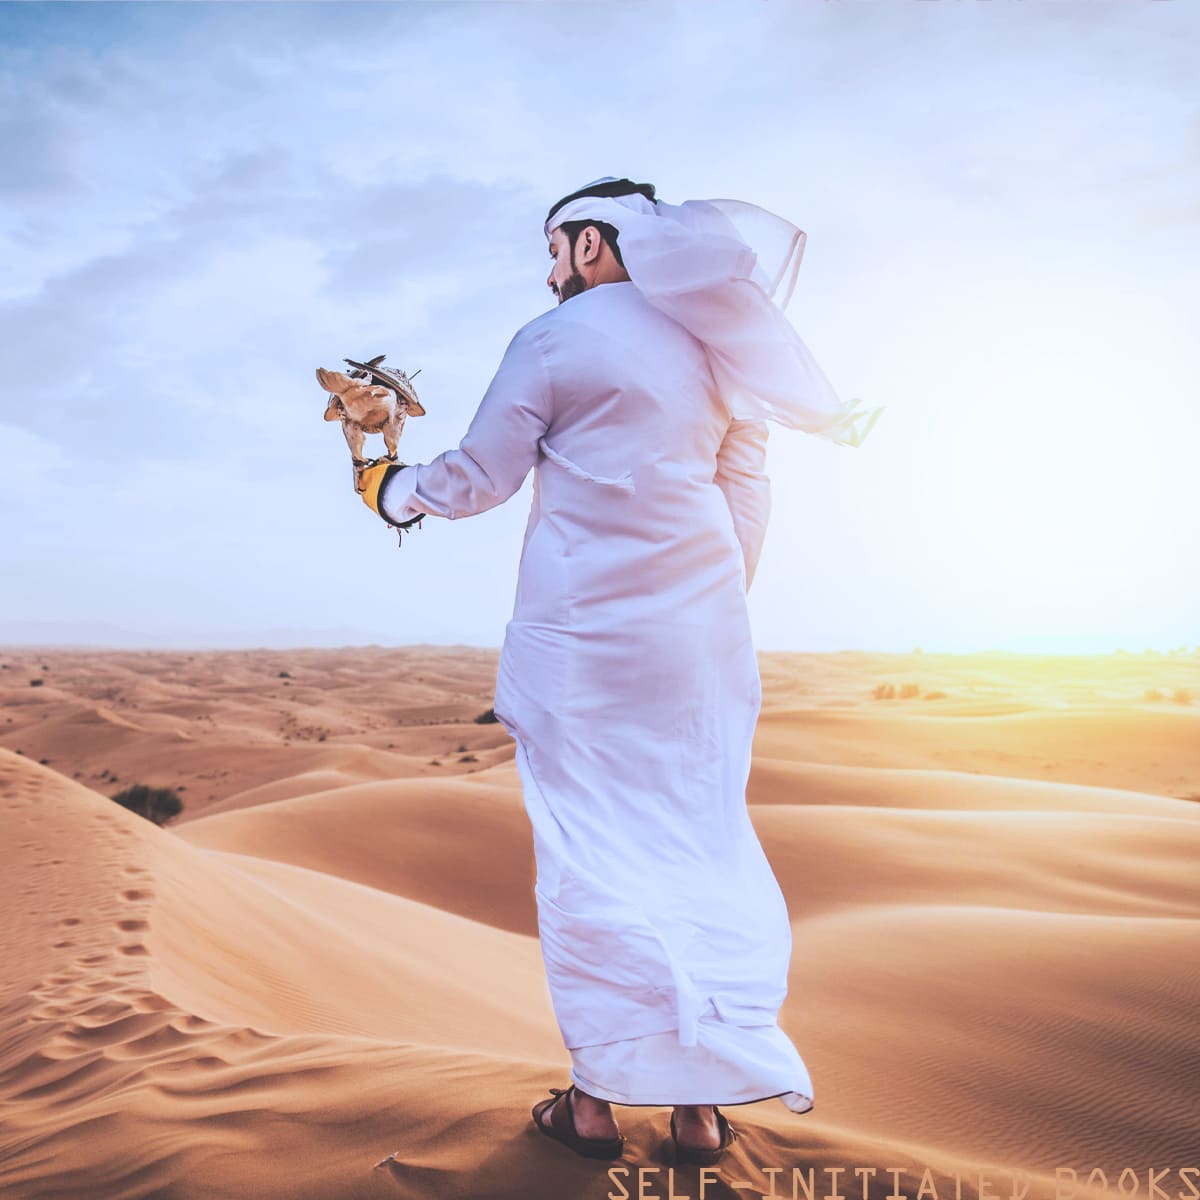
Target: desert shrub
<point>1182,696</point>
<point>486,718</point>
<point>155,804</point>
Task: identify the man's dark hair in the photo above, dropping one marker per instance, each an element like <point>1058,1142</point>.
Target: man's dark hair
<point>607,188</point>
<point>572,229</point>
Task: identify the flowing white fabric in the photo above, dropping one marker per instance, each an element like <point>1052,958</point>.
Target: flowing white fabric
<point>725,270</point>
<point>629,681</point>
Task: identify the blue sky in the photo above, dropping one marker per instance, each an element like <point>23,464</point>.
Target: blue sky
<point>204,202</point>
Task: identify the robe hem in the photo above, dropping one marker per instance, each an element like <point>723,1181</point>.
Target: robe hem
<point>611,1097</point>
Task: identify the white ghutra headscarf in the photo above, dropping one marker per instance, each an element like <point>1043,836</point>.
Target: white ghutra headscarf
<point>725,270</point>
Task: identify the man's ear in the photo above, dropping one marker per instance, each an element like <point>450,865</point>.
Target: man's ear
<point>588,245</point>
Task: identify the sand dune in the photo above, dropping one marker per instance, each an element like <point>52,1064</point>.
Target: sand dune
<point>459,845</point>
<point>777,781</point>
<point>1140,748</point>
<point>330,960</point>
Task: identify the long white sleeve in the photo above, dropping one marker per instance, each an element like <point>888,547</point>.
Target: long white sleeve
<point>741,477</point>
<point>496,453</point>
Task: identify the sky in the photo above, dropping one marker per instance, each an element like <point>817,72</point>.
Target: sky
<point>201,203</point>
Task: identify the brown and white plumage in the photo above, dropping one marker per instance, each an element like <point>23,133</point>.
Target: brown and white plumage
<point>367,407</point>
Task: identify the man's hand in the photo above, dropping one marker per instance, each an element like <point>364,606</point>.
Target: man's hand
<point>370,483</point>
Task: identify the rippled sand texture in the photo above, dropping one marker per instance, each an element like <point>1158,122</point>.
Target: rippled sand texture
<point>329,961</point>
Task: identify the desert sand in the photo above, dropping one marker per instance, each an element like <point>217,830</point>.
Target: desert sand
<point>322,980</point>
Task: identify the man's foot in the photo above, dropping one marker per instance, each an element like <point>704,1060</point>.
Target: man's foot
<point>556,1118</point>
<point>593,1118</point>
<point>709,1136</point>
<point>696,1126</point>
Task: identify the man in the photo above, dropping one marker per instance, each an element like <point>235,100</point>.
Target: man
<point>628,676</point>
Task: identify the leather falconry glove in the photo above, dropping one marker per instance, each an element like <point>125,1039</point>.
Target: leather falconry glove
<point>371,482</point>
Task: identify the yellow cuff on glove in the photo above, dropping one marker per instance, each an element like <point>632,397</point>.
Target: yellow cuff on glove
<point>370,484</point>
<point>371,481</point>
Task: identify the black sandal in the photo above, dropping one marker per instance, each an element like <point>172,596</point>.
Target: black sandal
<point>705,1155</point>
<point>562,1128</point>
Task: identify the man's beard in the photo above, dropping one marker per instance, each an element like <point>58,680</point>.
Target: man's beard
<point>572,286</point>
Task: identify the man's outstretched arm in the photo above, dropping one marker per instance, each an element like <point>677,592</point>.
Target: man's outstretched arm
<point>741,476</point>
<point>495,454</point>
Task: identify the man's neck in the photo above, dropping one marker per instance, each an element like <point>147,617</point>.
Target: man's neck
<point>610,273</point>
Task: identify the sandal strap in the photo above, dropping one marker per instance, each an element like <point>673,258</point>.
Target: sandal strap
<point>727,1131</point>
<point>564,1122</point>
<point>542,1106</point>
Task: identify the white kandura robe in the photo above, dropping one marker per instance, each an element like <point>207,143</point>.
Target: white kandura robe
<point>629,681</point>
